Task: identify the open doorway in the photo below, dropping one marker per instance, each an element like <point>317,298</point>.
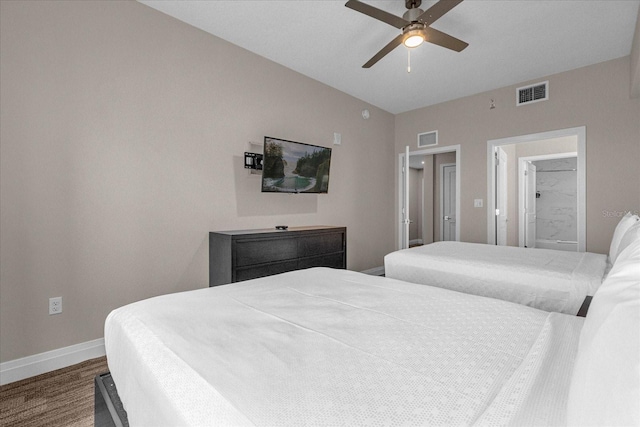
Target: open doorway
<point>517,213</point>
<point>433,193</point>
<point>419,216</point>
<point>548,189</point>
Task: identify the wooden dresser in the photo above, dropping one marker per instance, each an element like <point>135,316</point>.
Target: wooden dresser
<point>240,255</point>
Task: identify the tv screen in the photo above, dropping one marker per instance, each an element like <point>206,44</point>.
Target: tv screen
<point>294,167</point>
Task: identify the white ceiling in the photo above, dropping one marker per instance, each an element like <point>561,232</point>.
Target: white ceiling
<point>510,41</point>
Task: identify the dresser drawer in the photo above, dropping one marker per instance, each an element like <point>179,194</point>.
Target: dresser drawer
<point>248,273</point>
<point>259,251</point>
<point>320,244</point>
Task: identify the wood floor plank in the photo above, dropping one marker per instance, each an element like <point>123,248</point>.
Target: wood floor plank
<point>59,398</point>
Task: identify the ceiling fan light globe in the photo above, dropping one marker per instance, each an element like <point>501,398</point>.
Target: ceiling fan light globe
<point>413,40</point>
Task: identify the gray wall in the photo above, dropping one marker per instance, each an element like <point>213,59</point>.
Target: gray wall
<point>611,117</point>
<point>122,135</point>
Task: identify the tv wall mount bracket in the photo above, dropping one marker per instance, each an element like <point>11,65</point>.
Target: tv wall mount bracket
<point>253,161</point>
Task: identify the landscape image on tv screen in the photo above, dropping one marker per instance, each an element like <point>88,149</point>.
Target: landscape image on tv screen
<point>294,167</point>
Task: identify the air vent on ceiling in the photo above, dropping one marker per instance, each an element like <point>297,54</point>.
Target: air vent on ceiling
<point>428,139</point>
<point>533,93</point>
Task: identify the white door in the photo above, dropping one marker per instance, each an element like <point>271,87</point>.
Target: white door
<point>501,197</point>
<point>448,205</point>
<point>405,200</point>
<point>530,205</point>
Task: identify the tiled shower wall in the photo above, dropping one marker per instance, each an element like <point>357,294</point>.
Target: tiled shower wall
<point>556,207</point>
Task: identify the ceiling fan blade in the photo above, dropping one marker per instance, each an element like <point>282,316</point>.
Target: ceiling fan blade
<point>376,13</point>
<point>445,40</point>
<point>385,50</point>
<point>436,11</point>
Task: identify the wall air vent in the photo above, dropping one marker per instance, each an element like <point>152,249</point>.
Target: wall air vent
<point>533,93</point>
<point>428,139</point>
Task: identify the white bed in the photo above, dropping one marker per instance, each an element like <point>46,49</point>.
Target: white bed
<point>323,347</point>
<point>547,279</point>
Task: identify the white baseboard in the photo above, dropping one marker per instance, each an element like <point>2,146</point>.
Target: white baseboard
<point>415,242</point>
<point>376,271</point>
<point>19,369</point>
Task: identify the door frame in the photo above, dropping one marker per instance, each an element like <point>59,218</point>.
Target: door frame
<point>439,150</point>
<point>521,162</point>
<point>523,228</point>
<point>504,195</point>
<point>581,134</point>
<point>442,166</point>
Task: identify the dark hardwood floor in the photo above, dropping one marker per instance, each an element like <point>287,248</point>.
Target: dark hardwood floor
<point>58,398</point>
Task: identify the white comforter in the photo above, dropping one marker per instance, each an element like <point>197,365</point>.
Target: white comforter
<point>325,347</point>
<point>542,278</point>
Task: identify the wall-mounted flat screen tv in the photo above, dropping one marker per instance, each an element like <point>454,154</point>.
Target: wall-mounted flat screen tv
<point>294,167</point>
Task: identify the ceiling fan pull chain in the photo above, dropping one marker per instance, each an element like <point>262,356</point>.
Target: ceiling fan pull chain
<point>408,60</point>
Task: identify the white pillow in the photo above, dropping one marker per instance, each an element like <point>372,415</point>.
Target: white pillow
<point>605,384</point>
<point>630,236</point>
<point>625,223</point>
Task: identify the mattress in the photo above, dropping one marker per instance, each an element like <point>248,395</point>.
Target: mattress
<point>328,347</point>
<point>542,278</point>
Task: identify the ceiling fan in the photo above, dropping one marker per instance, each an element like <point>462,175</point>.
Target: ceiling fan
<point>415,26</point>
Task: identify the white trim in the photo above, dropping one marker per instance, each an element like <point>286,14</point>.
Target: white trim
<point>443,149</point>
<point>26,367</point>
<point>581,134</point>
<point>502,205</point>
<point>415,242</point>
<point>522,225</point>
<point>522,164</point>
<point>406,182</point>
<point>400,199</point>
<point>423,215</point>
<point>376,271</point>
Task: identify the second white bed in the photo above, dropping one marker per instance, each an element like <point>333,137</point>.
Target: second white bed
<point>542,278</point>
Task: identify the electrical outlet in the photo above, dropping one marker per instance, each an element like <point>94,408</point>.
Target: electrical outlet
<point>477,203</point>
<point>55,305</point>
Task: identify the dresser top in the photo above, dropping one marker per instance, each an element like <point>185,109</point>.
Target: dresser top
<point>273,230</point>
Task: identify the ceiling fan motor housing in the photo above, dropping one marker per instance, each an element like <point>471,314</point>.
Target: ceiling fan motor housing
<point>412,15</point>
